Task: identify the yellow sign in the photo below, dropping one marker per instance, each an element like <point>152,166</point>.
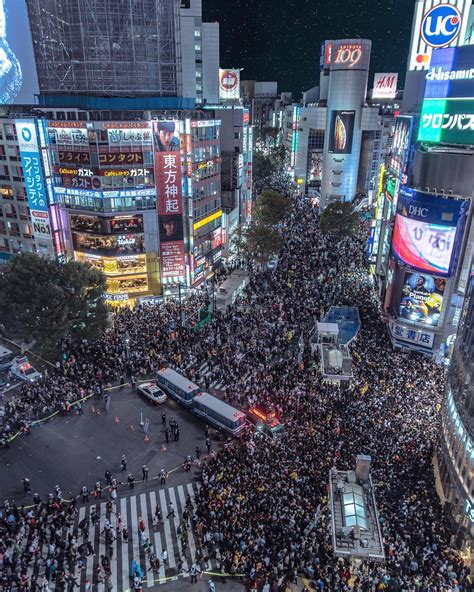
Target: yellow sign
<point>205,221</point>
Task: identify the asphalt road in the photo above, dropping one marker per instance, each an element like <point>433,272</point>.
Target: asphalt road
<point>73,451</point>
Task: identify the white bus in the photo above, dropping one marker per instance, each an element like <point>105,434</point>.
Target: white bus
<point>177,386</point>
<point>221,415</point>
<point>6,358</point>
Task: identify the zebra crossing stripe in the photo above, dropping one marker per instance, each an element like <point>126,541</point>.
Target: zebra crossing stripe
<point>157,537</point>
<point>176,522</point>
<point>124,546</point>
<point>168,539</point>
<point>148,530</point>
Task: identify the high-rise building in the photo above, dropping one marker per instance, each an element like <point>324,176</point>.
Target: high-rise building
<point>86,49</point>
<point>456,451</point>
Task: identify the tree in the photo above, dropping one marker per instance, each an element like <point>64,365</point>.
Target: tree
<point>41,301</point>
<point>257,242</point>
<point>272,207</point>
<point>339,219</point>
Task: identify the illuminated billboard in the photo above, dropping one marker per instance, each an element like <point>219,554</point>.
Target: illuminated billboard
<point>401,143</point>
<point>447,121</point>
<point>341,132</point>
<point>166,136</point>
<point>349,54</point>
<point>436,24</point>
<point>229,84</point>
<point>422,298</point>
<point>385,85</point>
<point>425,231</point>
<point>451,74</point>
<point>18,77</point>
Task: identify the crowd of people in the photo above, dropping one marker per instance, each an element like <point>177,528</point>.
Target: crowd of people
<point>263,505</point>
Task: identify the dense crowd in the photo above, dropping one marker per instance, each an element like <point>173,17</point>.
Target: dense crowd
<point>263,506</point>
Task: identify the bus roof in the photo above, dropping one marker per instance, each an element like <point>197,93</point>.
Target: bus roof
<point>178,379</point>
<point>4,351</point>
<point>219,406</point>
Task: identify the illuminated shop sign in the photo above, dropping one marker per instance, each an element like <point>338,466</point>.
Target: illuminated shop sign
<point>401,144</point>
<point>86,172</point>
<point>422,298</point>
<point>72,191</point>
<point>229,84</point>
<point>447,121</point>
<point>126,136</point>
<point>410,335</point>
<point>437,24</point>
<point>68,135</point>
<point>116,297</point>
<point>207,220</point>
<point>349,55</point>
<point>385,86</point>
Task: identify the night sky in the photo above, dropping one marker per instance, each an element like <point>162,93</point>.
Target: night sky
<point>280,39</point>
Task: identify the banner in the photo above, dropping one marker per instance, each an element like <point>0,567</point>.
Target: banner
<point>385,85</point>
<point>172,259</point>
<point>447,121</point>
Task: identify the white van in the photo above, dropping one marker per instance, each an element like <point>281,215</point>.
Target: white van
<point>23,370</point>
<point>6,358</point>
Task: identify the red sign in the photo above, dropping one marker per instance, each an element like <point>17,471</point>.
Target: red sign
<point>172,259</point>
<point>168,183</point>
<point>121,158</point>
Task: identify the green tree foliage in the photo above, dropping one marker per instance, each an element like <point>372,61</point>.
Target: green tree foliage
<point>41,301</point>
<point>272,207</point>
<point>339,219</point>
<point>257,242</point>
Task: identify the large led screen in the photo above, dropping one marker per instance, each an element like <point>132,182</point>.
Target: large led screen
<point>425,231</point>
<point>18,78</point>
<point>422,298</point>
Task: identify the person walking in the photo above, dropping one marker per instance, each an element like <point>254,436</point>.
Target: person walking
<point>144,473</point>
<point>123,463</point>
<point>85,494</point>
<point>162,477</point>
<point>167,435</point>
<point>163,418</point>
<point>108,477</point>
<point>131,480</point>
<point>164,557</point>
<point>171,511</point>
<point>176,434</point>
<point>212,586</point>
<point>198,452</point>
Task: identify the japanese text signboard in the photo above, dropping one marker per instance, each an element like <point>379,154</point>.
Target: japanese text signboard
<point>33,175</point>
<point>447,121</point>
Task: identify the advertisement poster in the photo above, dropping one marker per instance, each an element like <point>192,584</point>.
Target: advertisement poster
<point>168,179</point>
<point>422,298</point>
<point>451,73</point>
<point>229,84</point>
<point>341,132</point>
<point>425,230</point>
<point>450,121</point>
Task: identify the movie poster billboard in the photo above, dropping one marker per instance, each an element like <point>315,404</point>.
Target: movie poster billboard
<point>169,193</point>
<point>427,230</point>
<point>341,132</point>
<point>422,298</point>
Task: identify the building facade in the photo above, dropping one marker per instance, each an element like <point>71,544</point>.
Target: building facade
<point>124,48</point>
<point>456,450</point>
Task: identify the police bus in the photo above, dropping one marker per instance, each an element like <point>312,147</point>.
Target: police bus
<point>177,386</point>
<point>221,415</point>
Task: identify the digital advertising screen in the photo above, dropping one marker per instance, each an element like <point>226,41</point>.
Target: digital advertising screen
<point>18,77</point>
<point>341,132</point>
<point>426,230</point>
<point>422,298</point>
<point>166,136</point>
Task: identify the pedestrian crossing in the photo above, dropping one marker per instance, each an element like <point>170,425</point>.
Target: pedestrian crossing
<point>157,538</point>
<point>214,384</point>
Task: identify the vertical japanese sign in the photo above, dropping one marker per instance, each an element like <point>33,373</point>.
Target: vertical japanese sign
<point>169,200</point>
<point>33,175</point>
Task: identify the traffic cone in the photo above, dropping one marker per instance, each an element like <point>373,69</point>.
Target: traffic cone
<point>131,428</point>
<point>116,420</point>
<point>146,438</point>
<point>163,448</point>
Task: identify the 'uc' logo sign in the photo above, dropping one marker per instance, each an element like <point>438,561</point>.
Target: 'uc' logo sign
<point>441,25</point>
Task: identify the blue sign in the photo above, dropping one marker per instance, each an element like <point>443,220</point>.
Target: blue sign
<point>451,73</point>
<point>31,163</point>
<point>426,207</point>
<point>441,25</point>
